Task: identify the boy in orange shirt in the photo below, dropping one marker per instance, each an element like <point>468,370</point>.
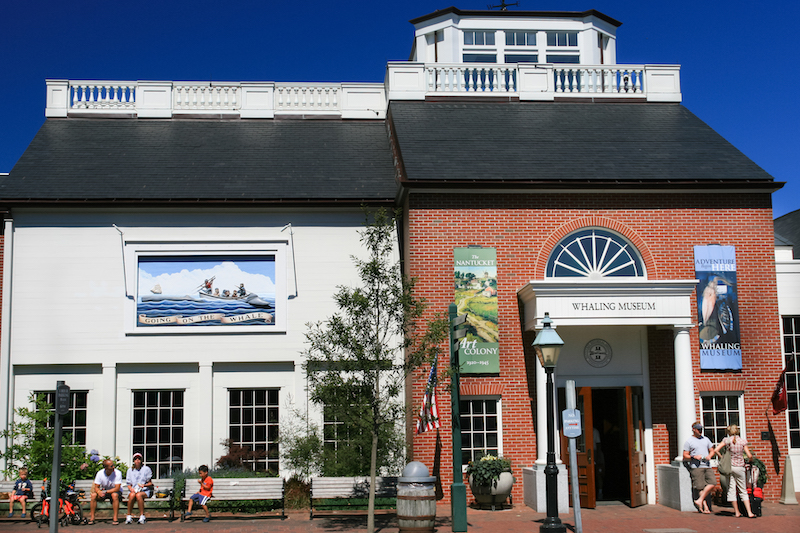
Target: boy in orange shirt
<point>202,497</point>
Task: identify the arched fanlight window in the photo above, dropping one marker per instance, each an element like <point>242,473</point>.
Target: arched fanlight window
<point>594,253</point>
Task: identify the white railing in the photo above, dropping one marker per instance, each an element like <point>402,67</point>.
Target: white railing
<point>308,98</point>
<point>157,99</point>
<point>191,97</point>
<point>615,80</point>
<point>532,81</point>
<point>103,95</point>
<point>461,78</point>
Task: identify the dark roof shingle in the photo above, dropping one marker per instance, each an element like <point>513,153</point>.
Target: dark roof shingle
<point>563,142</point>
<point>264,160</point>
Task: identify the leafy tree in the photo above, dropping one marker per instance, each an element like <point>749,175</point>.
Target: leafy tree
<point>358,360</point>
<point>30,444</point>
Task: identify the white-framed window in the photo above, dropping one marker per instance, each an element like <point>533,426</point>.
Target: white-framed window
<point>718,410</point>
<point>158,429</point>
<point>253,419</point>
<point>481,427</point>
<point>478,38</point>
<point>562,38</point>
<point>791,351</point>
<point>520,38</point>
<point>73,424</point>
<point>191,288</point>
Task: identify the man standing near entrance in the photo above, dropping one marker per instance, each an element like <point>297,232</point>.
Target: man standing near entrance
<point>696,450</point>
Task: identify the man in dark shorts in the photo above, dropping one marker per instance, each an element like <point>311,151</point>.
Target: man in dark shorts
<point>107,486</point>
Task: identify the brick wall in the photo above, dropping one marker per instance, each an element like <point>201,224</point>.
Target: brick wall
<point>665,227</point>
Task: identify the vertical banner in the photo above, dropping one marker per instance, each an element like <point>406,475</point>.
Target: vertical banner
<point>476,295</point>
<point>717,308</point>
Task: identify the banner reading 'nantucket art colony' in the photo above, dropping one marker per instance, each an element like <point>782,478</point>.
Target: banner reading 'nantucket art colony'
<point>476,295</point>
<point>718,308</point>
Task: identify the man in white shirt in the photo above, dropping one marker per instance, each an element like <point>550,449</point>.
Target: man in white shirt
<point>696,450</point>
<point>140,486</point>
<point>107,486</point>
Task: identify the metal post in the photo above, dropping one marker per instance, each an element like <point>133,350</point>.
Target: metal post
<point>55,477</point>
<point>458,491</point>
<point>573,463</point>
<point>552,523</point>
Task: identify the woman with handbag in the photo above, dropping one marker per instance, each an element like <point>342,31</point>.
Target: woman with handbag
<point>736,448</point>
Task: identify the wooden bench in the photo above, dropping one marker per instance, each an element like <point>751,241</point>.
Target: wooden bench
<point>345,489</point>
<point>7,487</point>
<point>239,489</point>
<point>164,486</point>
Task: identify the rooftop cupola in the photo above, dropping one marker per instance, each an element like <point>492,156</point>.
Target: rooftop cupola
<point>457,36</point>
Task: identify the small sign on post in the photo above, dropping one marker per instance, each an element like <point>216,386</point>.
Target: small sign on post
<point>62,398</point>
<point>571,419</point>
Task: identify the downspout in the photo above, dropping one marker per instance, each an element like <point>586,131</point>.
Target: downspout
<point>7,412</point>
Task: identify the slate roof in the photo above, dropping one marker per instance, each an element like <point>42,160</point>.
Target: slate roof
<point>788,227</point>
<point>569,144</point>
<point>260,161</point>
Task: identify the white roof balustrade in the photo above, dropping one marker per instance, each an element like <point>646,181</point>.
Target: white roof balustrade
<point>404,81</point>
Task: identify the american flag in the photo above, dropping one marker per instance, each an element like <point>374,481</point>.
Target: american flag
<point>429,412</point>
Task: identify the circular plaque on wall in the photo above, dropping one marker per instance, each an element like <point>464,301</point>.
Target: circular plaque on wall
<point>597,353</point>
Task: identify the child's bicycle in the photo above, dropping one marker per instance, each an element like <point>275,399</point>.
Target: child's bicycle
<point>70,511</point>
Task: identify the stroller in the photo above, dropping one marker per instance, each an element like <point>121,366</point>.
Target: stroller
<point>754,491</point>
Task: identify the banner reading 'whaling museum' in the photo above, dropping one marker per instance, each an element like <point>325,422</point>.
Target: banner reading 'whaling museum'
<point>476,295</point>
<point>718,308</point>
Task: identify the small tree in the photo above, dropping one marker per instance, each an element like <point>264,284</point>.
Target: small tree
<point>30,444</point>
<point>358,360</point>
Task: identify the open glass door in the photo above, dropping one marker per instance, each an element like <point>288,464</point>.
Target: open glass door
<point>636,456</point>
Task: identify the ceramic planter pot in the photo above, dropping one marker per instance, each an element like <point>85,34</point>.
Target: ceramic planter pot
<point>493,494</point>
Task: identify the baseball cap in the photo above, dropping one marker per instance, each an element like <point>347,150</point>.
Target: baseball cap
<point>698,427</point>
<point>137,454</point>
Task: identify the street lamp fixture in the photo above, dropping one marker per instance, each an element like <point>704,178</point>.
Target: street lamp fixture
<point>548,347</point>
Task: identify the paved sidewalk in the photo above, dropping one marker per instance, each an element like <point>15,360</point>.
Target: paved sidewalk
<point>608,518</point>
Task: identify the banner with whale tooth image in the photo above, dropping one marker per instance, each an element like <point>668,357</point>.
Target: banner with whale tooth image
<point>475,283</point>
<point>717,308</point>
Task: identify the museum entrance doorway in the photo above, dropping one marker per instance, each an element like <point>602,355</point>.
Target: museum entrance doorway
<point>611,458</point>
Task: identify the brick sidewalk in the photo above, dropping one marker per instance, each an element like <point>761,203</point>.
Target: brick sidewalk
<point>608,518</point>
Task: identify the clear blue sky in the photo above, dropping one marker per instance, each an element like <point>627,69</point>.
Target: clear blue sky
<point>739,60</point>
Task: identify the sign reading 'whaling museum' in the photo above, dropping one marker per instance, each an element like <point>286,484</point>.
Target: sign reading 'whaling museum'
<point>475,283</point>
<point>718,308</point>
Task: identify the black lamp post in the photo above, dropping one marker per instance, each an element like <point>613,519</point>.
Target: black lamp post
<point>548,346</point>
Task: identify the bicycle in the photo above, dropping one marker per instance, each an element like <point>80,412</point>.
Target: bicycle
<point>70,509</point>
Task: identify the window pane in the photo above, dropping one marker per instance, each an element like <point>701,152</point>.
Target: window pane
<point>255,426</point>
<point>521,58</point>
<point>480,58</point>
<point>469,37</point>
<point>556,58</point>
<point>490,38</point>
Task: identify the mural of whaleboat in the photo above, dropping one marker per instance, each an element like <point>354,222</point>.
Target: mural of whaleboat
<point>177,300</point>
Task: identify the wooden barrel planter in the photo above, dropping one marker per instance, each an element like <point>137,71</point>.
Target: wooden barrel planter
<point>416,507</point>
<point>416,499</point>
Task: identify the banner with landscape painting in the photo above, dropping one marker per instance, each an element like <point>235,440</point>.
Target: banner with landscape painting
<point>476,295</point>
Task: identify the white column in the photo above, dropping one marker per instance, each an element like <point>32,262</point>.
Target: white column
<point>541,414</point>
<point>684,387</point>
<point>205,445</point>
<point>108,441</point>
<point>7,403</point>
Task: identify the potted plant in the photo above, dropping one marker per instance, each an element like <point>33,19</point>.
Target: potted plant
<point>490,480</point>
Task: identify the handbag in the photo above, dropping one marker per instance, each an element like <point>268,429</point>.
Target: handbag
<point>725,462</point>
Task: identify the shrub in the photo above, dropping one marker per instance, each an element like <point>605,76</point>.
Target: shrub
<point>487,470</point>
